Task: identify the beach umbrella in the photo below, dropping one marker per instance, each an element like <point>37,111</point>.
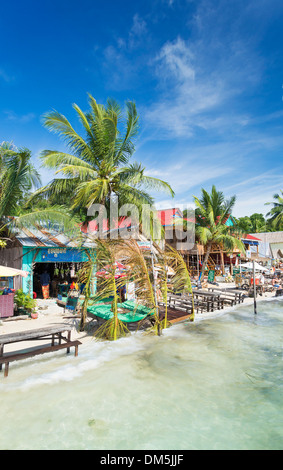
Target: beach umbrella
<point>120,271</point>
<point>11,272</point>
<point>258,267</point>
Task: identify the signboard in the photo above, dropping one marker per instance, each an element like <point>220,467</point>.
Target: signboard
<point>72,300</point>
<point>144,245</point>
<point>248,254</point>
<point>61,255</point>
<point>211,276</point>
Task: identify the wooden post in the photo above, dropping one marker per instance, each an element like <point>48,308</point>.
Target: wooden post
<point>255,306</point>
<point>69,339</point>
<point>222,262</point>
<point>1,354</point>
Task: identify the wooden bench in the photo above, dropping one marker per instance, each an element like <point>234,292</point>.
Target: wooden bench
<point>229,293</point>
<point>219,297</point>
<point>56,334</point>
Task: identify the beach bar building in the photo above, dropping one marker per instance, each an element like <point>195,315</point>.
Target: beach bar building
<point>36,251</point>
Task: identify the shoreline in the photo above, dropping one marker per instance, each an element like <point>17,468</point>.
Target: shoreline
<point>50,314</point>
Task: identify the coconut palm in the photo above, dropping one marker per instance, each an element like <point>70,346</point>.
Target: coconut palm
<point>103,255</point>
<point>276,213</point>
<point>212,212</point>
<point>98,167</point>
<point>141,266</point>
<point>18,177</point>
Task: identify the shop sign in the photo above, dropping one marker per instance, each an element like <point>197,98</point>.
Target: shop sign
<point>61,255</point>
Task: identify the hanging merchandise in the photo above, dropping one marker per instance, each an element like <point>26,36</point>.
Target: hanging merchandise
<point>56,270</point>
<point>73,272</point>
<point>62,271</point>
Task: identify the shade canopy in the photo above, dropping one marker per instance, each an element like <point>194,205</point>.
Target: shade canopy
<point>107,271</point>
<point>11,272</point>
<point>258,267</point>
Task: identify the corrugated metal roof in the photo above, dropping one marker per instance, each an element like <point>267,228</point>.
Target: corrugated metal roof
<point>42,238</point>
<point>270,237</point>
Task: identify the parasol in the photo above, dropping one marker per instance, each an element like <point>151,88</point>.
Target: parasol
<point>11,272</point>
<point>120,271</point>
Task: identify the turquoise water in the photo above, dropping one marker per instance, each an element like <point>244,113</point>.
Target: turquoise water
<point>214,384</point>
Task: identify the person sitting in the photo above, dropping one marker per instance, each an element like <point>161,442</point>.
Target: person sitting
<point>276,282</point>
<point>7,291</point>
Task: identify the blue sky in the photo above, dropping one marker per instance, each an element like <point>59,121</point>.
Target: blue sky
<point>206,76</point>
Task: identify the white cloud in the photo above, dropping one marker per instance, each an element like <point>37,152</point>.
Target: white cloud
<point>5,76</point>
<point>137,32</point>
<point>202,76</point>
<point>253,193</point>
<point>22,119</point>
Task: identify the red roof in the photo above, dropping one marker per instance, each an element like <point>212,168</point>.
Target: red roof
<point>250,237</point>
<point>92,225</point>
<point>167,216</point>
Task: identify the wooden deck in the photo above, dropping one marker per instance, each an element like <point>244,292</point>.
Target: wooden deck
<point>180,307</point>
<point>60,337</point>
<point>174,315</point>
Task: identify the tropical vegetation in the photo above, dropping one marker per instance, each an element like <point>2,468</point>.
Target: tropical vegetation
<point>98,167</point>
<point>141,268</point>
<point>18,177</point>
<point>212,213</point>
<point>276,212</point>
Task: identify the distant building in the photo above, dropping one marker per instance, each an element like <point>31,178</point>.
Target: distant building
<point>270,245</point>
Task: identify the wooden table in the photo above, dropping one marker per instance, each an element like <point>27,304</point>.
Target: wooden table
<point>53,333</point>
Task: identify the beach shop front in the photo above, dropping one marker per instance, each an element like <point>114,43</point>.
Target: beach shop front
<point>38,251</point>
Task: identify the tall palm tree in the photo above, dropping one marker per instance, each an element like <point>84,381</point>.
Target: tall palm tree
<point>212,211</point>
<point>98,167</point>
<point>18,176</point>
<point>276,213</point>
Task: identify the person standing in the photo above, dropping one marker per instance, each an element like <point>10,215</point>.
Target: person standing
<point>45,280</point>
<point>262,281</point>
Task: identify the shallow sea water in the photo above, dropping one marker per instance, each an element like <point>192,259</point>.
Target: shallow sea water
<point>213,384</point>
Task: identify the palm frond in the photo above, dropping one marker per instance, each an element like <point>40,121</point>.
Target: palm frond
<point>59,124</point>
<point>53,218</point>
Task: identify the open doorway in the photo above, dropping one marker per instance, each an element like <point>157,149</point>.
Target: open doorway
<point>59,274</point>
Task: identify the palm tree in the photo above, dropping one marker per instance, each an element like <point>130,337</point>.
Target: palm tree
<point>212,212</point>
<point>276,213</point>
<point>141,268</point>
<point>103,255</point>
<point>18,177</point>
<point>98,167</point>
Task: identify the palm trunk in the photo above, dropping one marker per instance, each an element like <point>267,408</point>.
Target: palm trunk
<point>87,294</point>
<point>166,306</point>
<point>156,309</point>
<point>115,310</point>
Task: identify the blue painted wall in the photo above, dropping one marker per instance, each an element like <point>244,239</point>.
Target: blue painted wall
<point>50,255</point>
